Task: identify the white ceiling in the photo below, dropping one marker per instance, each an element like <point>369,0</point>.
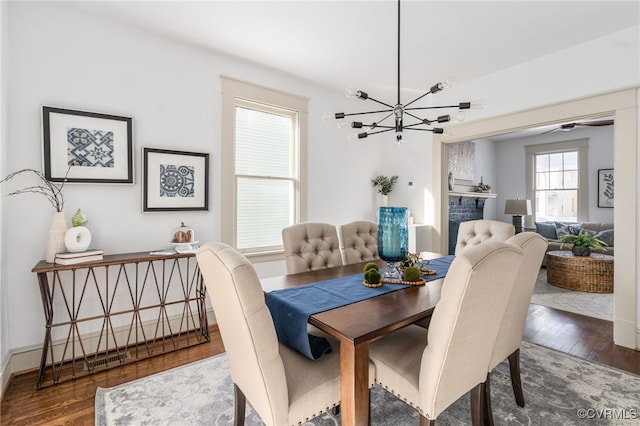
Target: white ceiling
<point>347,43</point>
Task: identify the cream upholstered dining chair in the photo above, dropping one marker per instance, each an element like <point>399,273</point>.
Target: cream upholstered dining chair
<point>474,232</point>
<point>534,247</point>
<point>359,241</point>
<point>283,386</point>
<point>461,336</point>
<point>309,246</point>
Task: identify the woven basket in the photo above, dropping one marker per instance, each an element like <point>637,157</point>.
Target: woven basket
<point>593,274</point>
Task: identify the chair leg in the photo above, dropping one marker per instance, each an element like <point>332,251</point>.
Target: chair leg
<point>516,383</point>
<point>488,412</point>
<point>477,404</point>
<point>426,422</point>
<point>240,402</point>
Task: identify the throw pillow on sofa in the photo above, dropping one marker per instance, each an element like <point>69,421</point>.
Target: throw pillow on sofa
<point>547,230</point>
<point>606,237</point>
<point>568,229</point>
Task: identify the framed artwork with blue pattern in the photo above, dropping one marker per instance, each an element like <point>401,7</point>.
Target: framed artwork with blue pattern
<point>88,147</point>
<point>175,180</point>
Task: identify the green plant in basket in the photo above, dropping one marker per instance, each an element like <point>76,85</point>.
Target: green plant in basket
<point>412,274</point>
<point>584,240</point>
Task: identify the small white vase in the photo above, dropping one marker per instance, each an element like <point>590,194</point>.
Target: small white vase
<point>55,241</point>
<point>77,239</point>
<point>383,200</point>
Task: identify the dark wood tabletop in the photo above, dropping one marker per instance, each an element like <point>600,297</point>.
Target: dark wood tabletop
<point>357,324</point>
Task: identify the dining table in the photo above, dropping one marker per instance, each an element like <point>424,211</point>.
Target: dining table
<point>357,324</point>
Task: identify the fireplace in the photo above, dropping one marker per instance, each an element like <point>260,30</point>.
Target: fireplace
<point>462,209</point>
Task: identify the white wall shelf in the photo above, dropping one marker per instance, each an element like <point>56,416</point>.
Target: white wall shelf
<point>472,194</point>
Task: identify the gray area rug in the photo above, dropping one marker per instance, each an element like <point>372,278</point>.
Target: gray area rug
<point>595,305</point>
<point>559,390</point>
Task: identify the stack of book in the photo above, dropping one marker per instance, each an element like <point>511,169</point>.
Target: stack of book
<point>69,258</point>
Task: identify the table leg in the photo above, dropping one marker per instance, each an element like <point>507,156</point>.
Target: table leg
<point>354,383</point>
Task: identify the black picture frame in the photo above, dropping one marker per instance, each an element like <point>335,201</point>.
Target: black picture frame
<point>605,188</point>
<point>86,147</point>
<point>175,180</point>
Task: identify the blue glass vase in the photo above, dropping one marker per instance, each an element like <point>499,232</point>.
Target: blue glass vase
<point>392,238</point>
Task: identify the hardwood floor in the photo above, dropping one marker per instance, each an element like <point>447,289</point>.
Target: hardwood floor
<point>72,403</point>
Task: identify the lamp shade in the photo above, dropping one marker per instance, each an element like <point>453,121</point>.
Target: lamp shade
<point>518,207</point>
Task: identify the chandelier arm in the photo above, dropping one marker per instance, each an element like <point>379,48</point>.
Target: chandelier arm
<point>381,131</point>
<point>380,102</point>
<point>417,128</point>
<point>376,126</point>
<point>422,120</point>
<point>366,112</point>
<point>418,98</point>
<point>432,107</point>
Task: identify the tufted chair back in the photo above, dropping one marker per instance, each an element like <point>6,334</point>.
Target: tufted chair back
<point>309,246</point>
<point>359,241</point>
<point>474,232</point>
<point>283,386</point>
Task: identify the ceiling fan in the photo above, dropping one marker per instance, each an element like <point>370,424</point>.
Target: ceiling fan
<point>570,126</point>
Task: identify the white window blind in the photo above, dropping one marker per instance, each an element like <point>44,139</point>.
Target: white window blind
<point>265,175</point>
<point>264,140</point>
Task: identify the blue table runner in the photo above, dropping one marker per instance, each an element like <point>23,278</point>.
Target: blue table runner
<point>290,308</point>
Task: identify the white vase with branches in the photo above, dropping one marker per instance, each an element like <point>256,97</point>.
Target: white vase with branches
<point>53,193</point>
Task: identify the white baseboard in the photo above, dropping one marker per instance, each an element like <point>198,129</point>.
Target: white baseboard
<point>28,358</point>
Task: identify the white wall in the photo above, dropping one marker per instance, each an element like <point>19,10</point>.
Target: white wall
<point>510,160</point>
<point>173,94</point>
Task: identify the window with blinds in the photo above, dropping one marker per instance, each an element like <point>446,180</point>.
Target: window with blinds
<point>264,139</point>
<point>265,175</point>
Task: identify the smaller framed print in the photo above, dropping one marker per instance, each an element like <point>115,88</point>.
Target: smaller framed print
<point>87,147</point>
<point>605,188</point>
<point>175,180</point>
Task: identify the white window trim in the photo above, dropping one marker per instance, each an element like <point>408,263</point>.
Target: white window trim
<point>580,145</point>
<point>232,91</point>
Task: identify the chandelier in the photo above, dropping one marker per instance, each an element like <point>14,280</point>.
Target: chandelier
<point>400,111</point>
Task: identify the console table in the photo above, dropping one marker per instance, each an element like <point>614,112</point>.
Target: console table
<point>592,274</point>
<point>118,310</point>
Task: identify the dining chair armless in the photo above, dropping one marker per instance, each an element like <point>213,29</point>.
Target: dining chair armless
<point>509,338</point>
<point>359,241</point>
<point>309,246</point>
<point>283,386</point>
<point>474,232</point>
<point>431,369</point>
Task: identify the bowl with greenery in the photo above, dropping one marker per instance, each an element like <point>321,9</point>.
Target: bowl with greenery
<point>582,243</point>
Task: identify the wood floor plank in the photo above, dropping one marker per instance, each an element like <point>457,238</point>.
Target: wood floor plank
<point>72,403</point>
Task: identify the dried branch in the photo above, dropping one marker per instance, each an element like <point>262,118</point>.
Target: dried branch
<point>51,191</point>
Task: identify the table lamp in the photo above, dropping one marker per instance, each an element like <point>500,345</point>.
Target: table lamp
<point>518,208</point>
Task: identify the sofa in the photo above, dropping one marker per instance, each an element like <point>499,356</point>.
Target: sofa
<point>552,231</point>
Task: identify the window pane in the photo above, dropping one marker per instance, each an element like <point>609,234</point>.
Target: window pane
<point>555,162</point>
<point>571,179</point>
<point>542,163</point>
<point>555,180</point>
<point>264,207</point>
<point>263,143</point>
<point>542,180</point>
<point>557,205</point>
<point>571,160</point>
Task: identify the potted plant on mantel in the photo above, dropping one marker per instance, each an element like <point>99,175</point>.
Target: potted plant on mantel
<point>384,185</point>
<point>582,243</point>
